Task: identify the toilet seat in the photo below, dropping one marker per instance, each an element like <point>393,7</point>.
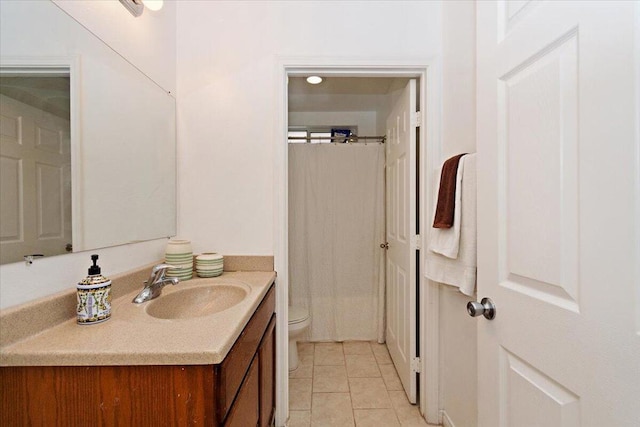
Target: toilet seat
<point>297,315</point>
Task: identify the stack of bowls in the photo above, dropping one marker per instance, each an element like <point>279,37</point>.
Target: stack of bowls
<point>180,255</point>
<point>209,264</point>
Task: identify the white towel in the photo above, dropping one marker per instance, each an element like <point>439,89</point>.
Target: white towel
<point>446,241</point>
<point>461,271</point>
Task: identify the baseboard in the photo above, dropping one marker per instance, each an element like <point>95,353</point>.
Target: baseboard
<point>446,421</point>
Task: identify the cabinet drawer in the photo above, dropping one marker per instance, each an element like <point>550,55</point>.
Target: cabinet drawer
<point>245,409</point>
<point>232,370</point>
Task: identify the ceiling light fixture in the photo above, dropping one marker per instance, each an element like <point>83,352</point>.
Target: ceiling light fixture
<point>314,80</point>
<point>154,5</point>
<point>136,7</point>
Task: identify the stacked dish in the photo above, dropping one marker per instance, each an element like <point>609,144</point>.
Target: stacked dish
<point>209,264</point>
<point>180,255</point>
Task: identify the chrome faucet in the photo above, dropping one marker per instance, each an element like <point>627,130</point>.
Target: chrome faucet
<point>156,282</point>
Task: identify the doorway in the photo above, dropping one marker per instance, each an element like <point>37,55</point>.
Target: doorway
<point>336,195</point>
<point>426,75</point>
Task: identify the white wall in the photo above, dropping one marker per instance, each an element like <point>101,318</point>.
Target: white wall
<point>458,344</point>
<point>155,57</point>
<point>364,120</point>
<point>227,61</point>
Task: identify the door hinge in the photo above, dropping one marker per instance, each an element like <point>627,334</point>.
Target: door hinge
<point>417,242</point>
<point>415,365</point>
<point>416,119</point>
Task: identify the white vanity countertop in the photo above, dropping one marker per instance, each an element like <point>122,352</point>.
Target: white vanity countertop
<point>132,337</point>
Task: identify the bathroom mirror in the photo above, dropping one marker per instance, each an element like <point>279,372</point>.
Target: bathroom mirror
<point>120,185</point>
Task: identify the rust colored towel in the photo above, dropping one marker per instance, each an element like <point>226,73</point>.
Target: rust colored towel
<point>447,193</point>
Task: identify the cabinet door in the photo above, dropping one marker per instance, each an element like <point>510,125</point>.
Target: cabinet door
<point>244,412</point>
<point>233,369</point>
<point>267,355</point>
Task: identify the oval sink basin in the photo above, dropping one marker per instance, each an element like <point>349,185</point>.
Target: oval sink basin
<point>196,301</point>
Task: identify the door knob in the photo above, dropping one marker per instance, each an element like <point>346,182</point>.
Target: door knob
<point>384,245</point>
<point>485,308</point>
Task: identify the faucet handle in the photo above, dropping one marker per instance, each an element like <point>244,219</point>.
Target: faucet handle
<point>162,267</point>
<point>158,272</point>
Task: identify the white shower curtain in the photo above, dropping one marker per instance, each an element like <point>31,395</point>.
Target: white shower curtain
<point>336,225</point>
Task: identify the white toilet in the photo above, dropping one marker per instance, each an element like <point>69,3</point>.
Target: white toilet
<point>299,321</point>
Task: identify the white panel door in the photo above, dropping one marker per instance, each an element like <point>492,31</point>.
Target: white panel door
<point>35,181</point>
<point>558,218</point>
<point>401,227</point>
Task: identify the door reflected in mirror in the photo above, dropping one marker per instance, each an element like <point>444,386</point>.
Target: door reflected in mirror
<point>35,164</point>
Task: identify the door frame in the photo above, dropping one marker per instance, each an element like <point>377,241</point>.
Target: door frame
<point>429,72</point>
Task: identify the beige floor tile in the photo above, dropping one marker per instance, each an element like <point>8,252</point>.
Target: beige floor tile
<point>390,377</point>
<point>330,379</point>
<point>362,366</point>
<point>414,422</point>
<point>331,410</point>
<point>328,354</point>
<point>356,347</point>
<point>399,400</point>
<point>305,353</point>
<point>303,371</point>
<point>300,393</point>
<point>408,414</point>
<point>369,393</point>
<point>375,418</point>
<point>305,359</point>
<point>305,348</point>
<point>381,353</point>
<point>299,419</point>
<point>340,384</point>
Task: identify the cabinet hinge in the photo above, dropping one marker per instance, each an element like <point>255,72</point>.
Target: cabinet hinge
<point>415,364</point>
<point>416,119</point>
<point>417,242</point>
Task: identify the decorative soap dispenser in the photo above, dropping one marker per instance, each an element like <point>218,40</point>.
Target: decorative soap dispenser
<point>94,296</point>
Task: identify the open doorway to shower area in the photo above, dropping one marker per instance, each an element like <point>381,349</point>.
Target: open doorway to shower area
<point>353,246</point>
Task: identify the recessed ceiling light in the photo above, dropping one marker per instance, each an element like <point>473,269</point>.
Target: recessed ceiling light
<point>314,80</point>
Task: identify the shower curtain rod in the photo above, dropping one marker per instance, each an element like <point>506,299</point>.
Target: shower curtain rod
<point>350,139</point>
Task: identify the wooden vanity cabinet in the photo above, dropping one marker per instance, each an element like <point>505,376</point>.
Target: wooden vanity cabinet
<point>239,392</point>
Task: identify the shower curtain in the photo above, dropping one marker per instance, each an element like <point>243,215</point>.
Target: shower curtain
<point>336,226</point>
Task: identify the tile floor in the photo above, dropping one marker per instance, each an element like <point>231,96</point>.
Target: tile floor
<point>348,384</point>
